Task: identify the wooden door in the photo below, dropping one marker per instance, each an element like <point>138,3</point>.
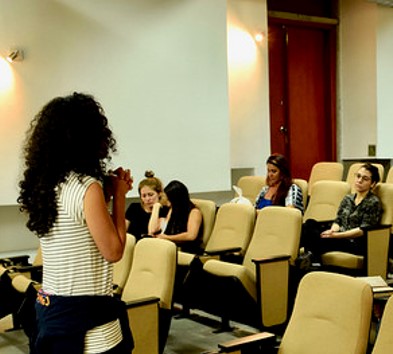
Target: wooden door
<point>302,94</point>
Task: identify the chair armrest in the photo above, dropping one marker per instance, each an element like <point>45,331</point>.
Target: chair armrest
<point>377,249</point>
<point>283,257</point>
<point>223,251</point>
<point>27,268</point>
<point>22,260</point>
<point>143,316</point>
<point>257,340</point>
<point>272,276</point>
<point>35,271</point>
<point>142,302</point>
<point>376,227</point>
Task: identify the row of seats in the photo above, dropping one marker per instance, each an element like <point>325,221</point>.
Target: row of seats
<point>332,171</point>
<point>323,206</point>
<point>230,231</point>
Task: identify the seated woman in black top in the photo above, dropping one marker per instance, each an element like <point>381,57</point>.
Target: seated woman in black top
<point>138,214</point>
<point>182,223</point>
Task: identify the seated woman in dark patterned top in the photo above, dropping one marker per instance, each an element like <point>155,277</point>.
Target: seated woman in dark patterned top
<point>357,210</point>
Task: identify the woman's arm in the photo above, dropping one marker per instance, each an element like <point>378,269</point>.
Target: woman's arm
<point>108,232</point>
<point>352,233</point>
<point>294,198</point>
<point>193,225</point>
<point>154,221</point>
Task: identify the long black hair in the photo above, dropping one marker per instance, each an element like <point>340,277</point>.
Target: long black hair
<point>70,133</point>
<point>181,204</point>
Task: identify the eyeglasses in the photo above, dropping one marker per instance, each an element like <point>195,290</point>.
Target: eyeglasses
<point>363,178</point>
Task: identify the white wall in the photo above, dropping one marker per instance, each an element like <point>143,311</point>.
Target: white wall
<point>159,68</point>
<point>248,85</point>
<point>365,104</point>
<point>385,82</point>
<point>357,101</point>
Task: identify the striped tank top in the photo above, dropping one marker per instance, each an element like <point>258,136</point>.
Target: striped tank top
<point>72,262</point>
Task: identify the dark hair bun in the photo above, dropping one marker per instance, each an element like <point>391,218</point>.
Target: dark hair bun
<point>149,174</point>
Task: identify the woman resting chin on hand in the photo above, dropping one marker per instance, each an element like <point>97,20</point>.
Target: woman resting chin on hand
<point>181,222</point>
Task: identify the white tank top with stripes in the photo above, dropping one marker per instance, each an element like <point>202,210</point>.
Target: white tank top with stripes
<point>72,262</point>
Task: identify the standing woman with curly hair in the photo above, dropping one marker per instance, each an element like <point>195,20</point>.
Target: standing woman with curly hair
<point>65,191</point>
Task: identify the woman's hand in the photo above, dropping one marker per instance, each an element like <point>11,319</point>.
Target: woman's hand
<point>122,180</point>
<point>118,182</point>
<point>328,233</point>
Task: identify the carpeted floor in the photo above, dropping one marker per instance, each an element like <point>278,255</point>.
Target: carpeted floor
<point>12,342</point>
<point>195,335</point>
<point>192,335</point>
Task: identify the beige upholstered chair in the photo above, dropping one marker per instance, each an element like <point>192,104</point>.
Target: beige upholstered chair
<point>384,341</point>
<point>231,232</point>
<point>151,277</point>
<point>389,176</point>
<point>152,271</point>
<point>353,168</point>
<point>332,315</point>
<point>303,185</point>
<point>375,261</point>
<point>208,209</point>
<point>229,240</point>
<point>251,186</point>
<point>325,200</point>
<point>345,305</point>
<point>332,171</point>
<point>121,269</point>
<point>256,291</point>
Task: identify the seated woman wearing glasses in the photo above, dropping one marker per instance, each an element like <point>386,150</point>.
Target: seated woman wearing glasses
<point>357,210</point>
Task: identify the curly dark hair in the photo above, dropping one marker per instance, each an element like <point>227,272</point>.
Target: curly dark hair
<point>70,133</point>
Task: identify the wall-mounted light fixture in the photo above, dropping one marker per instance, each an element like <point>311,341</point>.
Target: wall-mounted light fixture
<point>15,55</point>
<point>259,37</point>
